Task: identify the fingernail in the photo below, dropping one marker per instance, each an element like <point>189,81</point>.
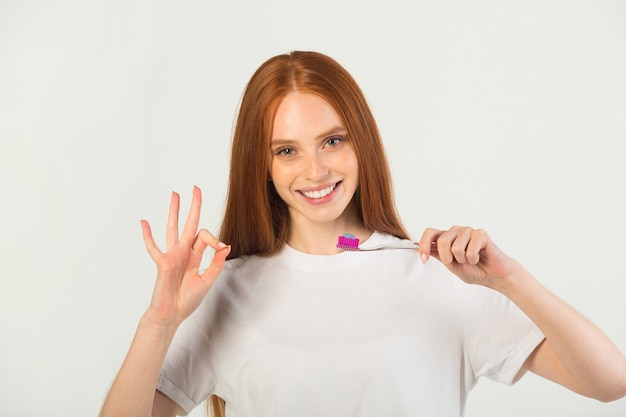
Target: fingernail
<point>221,244</point>
<point>424,257</point>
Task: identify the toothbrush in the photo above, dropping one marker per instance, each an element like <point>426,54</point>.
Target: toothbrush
<point>350,242</point>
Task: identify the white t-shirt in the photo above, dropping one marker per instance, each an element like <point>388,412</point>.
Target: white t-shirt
<point>366,333</point>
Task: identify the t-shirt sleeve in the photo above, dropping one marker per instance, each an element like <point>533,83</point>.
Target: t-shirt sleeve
<point>188,374</point>
<point>499,337</point>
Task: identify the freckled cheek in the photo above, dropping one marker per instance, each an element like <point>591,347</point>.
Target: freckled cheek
<point>351,166</point>
<point>282,177</point>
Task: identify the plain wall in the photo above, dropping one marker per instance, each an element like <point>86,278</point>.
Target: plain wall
<point>508,116</point>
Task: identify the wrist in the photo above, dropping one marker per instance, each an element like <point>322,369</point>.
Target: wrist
<point>158,326</point>
<point>512,282</point>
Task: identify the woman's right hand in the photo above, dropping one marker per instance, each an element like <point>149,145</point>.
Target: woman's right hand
<point>180,288</point>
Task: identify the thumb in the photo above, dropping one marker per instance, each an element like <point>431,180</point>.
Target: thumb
<point>216,265</point>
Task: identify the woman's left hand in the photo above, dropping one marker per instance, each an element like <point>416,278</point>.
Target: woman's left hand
<point>469,253</point>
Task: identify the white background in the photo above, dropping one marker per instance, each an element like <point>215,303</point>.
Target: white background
<point>509,116</point>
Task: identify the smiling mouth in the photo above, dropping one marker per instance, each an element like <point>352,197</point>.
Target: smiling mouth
<point>319,193</point>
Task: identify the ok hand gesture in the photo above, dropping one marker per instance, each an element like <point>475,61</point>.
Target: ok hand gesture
<point>179,287</point>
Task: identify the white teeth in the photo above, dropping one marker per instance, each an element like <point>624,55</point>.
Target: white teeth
<point>319,193</point>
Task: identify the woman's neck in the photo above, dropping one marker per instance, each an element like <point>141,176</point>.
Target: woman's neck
<point>318,242</point>
<point>321,239</point>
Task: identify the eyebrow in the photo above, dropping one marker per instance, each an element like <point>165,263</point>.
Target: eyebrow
<point>334,131</point>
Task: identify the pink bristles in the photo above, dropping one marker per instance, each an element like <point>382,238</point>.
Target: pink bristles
<point>348,242</point>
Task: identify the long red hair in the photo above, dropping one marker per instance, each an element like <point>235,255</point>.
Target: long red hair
<point>256,220</point>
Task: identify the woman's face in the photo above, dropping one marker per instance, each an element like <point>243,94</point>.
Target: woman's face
<point>313,165</point>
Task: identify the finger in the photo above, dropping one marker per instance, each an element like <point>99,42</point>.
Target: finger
<point>459,245</point>
<point>479,241</point>
<point>151,246</point>
<point>193,219</point>
<point>205,239</point>
<point>171,233</point>
<point>427,243</point>
<point>444,244</point>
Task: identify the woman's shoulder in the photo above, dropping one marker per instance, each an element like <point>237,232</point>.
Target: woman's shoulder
<point>383,240</point>
<point>247,262</point>
<point>245,270</point>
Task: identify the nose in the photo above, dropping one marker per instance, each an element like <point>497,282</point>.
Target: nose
<point>316,166</point>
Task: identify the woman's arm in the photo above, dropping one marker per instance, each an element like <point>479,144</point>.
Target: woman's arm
<point>133,390</point>
<point>178,291</point>
<point>575,353</point>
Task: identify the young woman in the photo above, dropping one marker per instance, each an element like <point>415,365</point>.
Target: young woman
<point>292,325</point>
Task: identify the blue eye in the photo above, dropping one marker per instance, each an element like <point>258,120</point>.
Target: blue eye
<point>285,151</point>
